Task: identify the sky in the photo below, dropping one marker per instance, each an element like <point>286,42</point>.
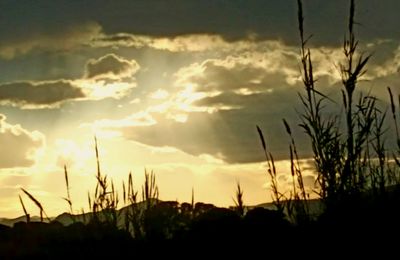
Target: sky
<point>174,87</point>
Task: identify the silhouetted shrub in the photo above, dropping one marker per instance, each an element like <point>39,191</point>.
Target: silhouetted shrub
<point>216,224</point>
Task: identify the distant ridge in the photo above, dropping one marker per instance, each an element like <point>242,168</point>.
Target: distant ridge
<point>66,218</point>
<point>11,221</point>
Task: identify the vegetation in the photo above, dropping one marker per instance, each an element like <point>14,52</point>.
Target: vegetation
<point>357,182</point>
<point>350,162</point>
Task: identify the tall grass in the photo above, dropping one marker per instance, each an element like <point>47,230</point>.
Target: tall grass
<point>24,209</point>
<point>351,158</point>
<point>323,131</point>
<point>238,200</point>
<point>68,198</point>
<point>277,196</point>
<point>136,212</point>
<point>297,206</point>
<point>394,177</point>
<point>105,200</point>
<point>37,203</point>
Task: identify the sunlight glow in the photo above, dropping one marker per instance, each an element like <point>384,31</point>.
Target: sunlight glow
<point>69,153</point>
<point>101,89</point>
<point>159,94</point>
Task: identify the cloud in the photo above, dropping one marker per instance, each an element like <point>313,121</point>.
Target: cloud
<point>39,94</point>
<point>214,104</point>
<point>218,102</point>
<point>64,38</point>
<point>110,66</point>
<point>232,74</point>
<point>136,119</point>
<point>223,83</point>
<point>255,67</point>
<point>18,145</point>
<point>104,77</point>
<point>228,135</point>
<point>65,25</point>
<point>266,19</point>
<point>121,39</point>
<point>390,66</point>
<point>183,43</point>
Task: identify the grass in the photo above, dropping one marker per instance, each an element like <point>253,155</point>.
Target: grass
<point>240,208</point>
<point>68,198</point>
<point>36,202</point>
<point>23,207</point>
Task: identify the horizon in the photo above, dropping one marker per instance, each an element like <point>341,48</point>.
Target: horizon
<point>177,91</point>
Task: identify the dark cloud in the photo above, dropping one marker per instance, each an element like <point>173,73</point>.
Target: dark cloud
<point>229,99</point>
<point>39,94</point>
<point>18,145</point>
<point>26,25</point>
<point>107,76</point>
<point>241,76</point>
<point>110,66</point>
<point>18,40</point>
<point>273,19</point>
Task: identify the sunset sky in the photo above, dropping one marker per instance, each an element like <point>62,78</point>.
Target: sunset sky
<point>176,87</point>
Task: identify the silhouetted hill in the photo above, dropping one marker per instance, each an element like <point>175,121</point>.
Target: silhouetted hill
<point>11,221</point>
<point>315,206</point>
<point>65,218</point>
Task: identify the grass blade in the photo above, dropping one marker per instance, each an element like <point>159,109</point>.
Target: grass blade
<point>37,203</point>
<point>23,207</point>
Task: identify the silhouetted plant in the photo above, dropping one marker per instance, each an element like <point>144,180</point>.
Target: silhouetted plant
<point>149,189</point>
<point>348,162</point>
<point>296,204</point>
<point>105,201</point>
<point>68,198</point>
<point>323,131</point>
<point>25,211</point>
<point>133,214</point>
<point>37,203</point>
<point>277,196</point>
<point>343,160</point>
<point>240,208</point>
<point>394,176</point>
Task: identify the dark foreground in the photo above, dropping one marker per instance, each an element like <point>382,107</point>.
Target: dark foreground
<point>359,227</point>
